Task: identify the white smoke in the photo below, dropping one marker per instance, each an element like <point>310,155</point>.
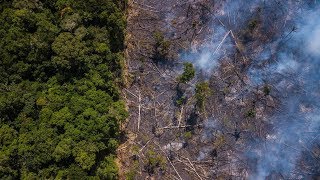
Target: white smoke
<point>297,57</point>
<point>313,45</point>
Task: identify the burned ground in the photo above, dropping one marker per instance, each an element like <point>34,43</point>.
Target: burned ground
<point>221,124</point>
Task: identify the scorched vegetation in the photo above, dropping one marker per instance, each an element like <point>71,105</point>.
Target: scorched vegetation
<point>224,89</point>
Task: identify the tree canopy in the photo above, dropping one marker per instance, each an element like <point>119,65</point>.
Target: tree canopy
<point>188,73</point>
<point>60,72</point>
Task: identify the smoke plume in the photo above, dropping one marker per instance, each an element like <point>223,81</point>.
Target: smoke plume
<point>288,59</point>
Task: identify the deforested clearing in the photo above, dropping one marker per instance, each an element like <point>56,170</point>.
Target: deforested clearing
<point>252,109</point>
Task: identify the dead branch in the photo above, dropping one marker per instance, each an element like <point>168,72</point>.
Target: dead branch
<point>146,144</point>
<point>180,116</point>
<point>169,161</point>
<point>194,169</point>
<point>139,107</point>
<point>181,126</point>
<point>220,44</point>
<point>152,9</point>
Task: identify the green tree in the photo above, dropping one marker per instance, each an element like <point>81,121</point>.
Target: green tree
<point>161,47</point>
<point>202,92</point>
<point>188,73</point>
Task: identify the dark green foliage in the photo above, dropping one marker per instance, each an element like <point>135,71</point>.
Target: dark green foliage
<point>161,48</point>
<point>250,32</point>
<point>131,174</point>
<point>202,92</point>
<point>181,100</point>
<point>250,113</point>
<point>188,73</point>
<point>60,106</point>
<point>253,24</point>
<point>180,97</point>
<point>266,90</point>
<point>107,169</point>
<point>188,135</point>
<point>155,161</point>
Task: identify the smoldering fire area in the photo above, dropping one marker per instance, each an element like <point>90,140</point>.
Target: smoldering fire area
<point>224,89</point>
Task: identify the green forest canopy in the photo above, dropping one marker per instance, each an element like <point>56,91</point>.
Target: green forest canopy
<point>60,71</point>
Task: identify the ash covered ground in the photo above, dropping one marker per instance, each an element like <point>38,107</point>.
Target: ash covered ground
<point>252,109</point>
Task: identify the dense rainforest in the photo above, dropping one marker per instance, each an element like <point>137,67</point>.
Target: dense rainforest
<point>61,65</point>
